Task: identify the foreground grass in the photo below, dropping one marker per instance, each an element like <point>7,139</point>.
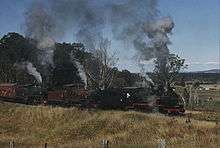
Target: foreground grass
<point>76,128</point>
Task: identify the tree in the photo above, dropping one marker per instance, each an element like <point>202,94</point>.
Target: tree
<point>193,89</point>
<point>99,69</point>
<point>14,48</point>
<point>166,70</point>
<point>65,72</point>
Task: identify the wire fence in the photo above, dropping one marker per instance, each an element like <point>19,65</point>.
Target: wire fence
<point>161,143</point>
<point>102,144</point>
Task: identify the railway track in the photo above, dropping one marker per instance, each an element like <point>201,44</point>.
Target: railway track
<point>13,100</point>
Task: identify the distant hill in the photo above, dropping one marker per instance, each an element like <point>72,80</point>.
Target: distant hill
<point>209,71</point>
<point>206,76</point>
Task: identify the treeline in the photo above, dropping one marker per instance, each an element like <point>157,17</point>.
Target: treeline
<point>205,78</point>
<point>14,48</point>
<point>201,77</point>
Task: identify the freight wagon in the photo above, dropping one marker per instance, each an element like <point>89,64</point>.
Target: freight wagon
<point>69,95</point>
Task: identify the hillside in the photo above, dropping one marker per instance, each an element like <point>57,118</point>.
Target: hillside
<point>209,71</point>
<point>59,127</point>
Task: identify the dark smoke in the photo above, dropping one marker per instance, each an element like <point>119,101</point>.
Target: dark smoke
<point>39,23</point>
<point>138,22</point>
<point>85,18</point>
<point>135,21</point>
<point>42,27</point>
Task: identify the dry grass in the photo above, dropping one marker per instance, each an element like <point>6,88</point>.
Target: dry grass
<point>76,128</point>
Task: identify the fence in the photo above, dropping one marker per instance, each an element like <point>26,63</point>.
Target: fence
<point>103,144</point>
<point>161,143</point>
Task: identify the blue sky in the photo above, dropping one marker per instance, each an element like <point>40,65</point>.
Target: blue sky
<point>196,35</point>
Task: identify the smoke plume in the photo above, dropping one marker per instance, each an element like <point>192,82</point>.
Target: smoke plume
<point>137,22</point>
<point>40,25</point>
<point>86,19</point>
<point>29,67</point>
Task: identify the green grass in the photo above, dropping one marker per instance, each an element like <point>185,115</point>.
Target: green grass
<point>60,127</point>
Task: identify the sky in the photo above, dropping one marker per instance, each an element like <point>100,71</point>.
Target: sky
<point>195,37</point>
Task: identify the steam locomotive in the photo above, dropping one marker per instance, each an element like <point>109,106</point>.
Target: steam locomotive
<point>135,98</point>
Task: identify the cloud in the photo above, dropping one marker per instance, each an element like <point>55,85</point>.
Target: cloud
<point>204,63</point>
<point>212,63</point>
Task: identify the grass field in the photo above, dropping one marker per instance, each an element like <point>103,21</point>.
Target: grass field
<point>202,94</point>
<point>33,126</point>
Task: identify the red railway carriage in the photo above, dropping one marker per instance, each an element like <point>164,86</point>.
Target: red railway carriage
<point>56,95</point>
<point>27,94</point>
<point>69,95</point>
<point>8,90</point>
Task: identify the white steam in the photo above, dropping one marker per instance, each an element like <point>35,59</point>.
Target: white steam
<point>80,69</point>
<point>46,47</point>
<point>29,67</point>
<point>40,25</point>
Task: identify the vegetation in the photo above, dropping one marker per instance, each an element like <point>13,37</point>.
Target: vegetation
<point>165,71</point>
<point>101,71</point>
<point>61,127</point>
<point>211,78</point>
<point>14,48</point>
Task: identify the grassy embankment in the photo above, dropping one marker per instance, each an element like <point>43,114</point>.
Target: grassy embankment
<point>59,127</point>
<point>203,95</point>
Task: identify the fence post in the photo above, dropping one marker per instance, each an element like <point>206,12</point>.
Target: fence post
<point>104,143</point>
<point>161,143</point>
<point>11,144</point>
<point>45,145</point>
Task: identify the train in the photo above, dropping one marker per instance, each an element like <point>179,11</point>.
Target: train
<point>69,95</point>
<point>126,98</point>
<point>26,94</point>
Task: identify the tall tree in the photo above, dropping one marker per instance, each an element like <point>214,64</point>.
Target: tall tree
<point>100,69</point>
<point>165,71</point>
<point>14,48</point>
